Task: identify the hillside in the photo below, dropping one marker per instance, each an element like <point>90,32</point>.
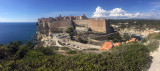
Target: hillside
<point>129,56</point>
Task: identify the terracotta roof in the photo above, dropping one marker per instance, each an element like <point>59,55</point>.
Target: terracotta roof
<point>107,45</point>
<point>133,39</point>
<point>116,44</point>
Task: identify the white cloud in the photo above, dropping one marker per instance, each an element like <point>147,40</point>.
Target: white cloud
<point>100,12</point>
<point>118,12</point>
<point>115,13</point>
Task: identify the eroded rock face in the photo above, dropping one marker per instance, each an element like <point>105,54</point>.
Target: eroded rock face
<point>44,40</point>
<point>133,31</point>
<point>53,39</point>
<point>144,30</point>
<point>144,33</point>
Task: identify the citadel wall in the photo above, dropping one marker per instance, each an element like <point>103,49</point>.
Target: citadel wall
<point>98,25</point>
<point>61,24</point>
<point>81,22</point>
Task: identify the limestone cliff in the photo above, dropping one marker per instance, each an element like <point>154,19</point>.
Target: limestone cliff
<point>138,30</point>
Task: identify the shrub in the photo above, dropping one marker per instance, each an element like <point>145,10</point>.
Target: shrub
<point>46,51</point>
<point>131,56</point>
<point>4,52</point>
<point>34,54</point>
<point>127,57</point>
<point>65,48</point>
<point>154,36</point>
<point>55,48</point>
<point>92,49</point>
<point>153,45</point>
<point>72,52</point>
<point>30,45</point>
<point>115,38</point>
<point>21,52</point>
<point>15,44</point>
<point>82,40</point>
<point>126,37</point>
<point>70,30</point>
<point>8,66</point>
<point>143,40</point>
<point>0,66</point>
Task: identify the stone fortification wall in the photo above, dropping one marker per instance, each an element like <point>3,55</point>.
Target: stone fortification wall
<point>61,24</point>
<point>98,25</point>
<point>82,29</point>
<point>81,22</point>
<point>54,26</point>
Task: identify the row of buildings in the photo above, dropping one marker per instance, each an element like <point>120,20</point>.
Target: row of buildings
<point>64,18</point>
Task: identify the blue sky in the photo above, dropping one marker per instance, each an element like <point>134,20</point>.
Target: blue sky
<point>31,10</point>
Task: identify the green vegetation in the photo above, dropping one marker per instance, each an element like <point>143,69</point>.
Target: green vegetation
<point>128,57</point>
<point>115,38</point>
<point>153,45</point>
<point>71,32</point>
<point>72,52</point>
<point>65,48</point>
<point>152,41</point>
<point>126,37</point>
<point>133,54</point>
<point>55,48</point>
<point>154,36</point>
<point>92,49</point>
<point>82,40</point>
<point>46,51</point>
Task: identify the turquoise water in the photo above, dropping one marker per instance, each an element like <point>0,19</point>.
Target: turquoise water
<point>17,31</point>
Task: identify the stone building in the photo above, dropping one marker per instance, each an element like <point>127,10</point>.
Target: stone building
<point>80,23</point>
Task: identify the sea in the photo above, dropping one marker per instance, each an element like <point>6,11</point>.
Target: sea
<point>17,31</point>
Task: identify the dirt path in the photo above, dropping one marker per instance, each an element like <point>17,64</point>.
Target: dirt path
<point>155,66</point>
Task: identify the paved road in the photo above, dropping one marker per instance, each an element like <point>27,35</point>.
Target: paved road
<point>155,66</point>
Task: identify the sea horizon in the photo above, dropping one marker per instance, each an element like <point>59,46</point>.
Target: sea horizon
<point>17,31</point>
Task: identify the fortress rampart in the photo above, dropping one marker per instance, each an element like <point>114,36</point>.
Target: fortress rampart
<point>97,25</point>
<point>61,23</point>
